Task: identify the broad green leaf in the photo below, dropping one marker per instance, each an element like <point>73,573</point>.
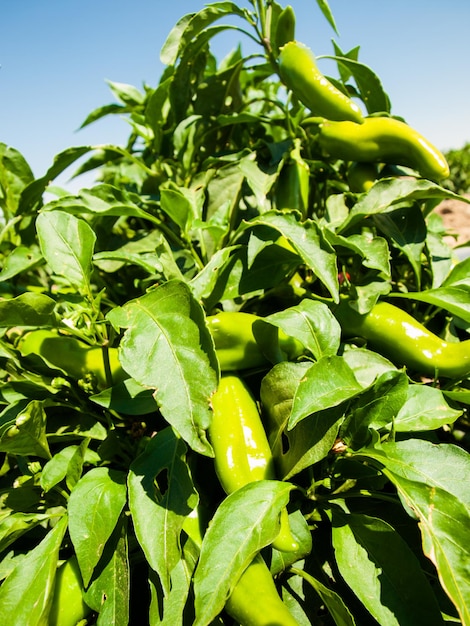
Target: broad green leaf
<point>326,384</point>
<point>425,477</point>
<point>425,409</point>
<point>20,259</point>
<point>167,347</point>
<point>158,515</point>
<point>313,324</point>
<point>25,434</point>
<point>17,524</point>
<point>32,194</point>
<point>189,27</point>
<point>460,274</point>
<point>128,94</point>
<point>245,522</point>
<point>109,591</point>
<point>406,228</point>
<point>366,364</point>
<point>368,83</point>
<point>103,111</point>
<point>383,571</point>
<point>376,408</point>
<point>308,241</point>
<point>373,249</point>
<point>64,461</point>
<point>94,507</point>
<point>67,243</point>
<point>28,309</point>
<point>26,595</point>
<point>390,191</point>
<point>15,175</point>
<point>455,299</point>
<point>332,600</point>
<point>128,397</point>
<point>325,9</point>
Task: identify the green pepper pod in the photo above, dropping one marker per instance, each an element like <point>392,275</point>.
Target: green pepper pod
<point>68,607</point>
<point>235,343</point>
<point>241,449</point>
<point>293,184</point>
<point>72,356</point>
<point>285,28</point>
<point>299,73</point>
<point>361,176</point>
<point>383,140</point>
<point>402,339</point>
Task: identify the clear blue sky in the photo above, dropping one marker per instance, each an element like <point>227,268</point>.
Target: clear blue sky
<point>55,56</point>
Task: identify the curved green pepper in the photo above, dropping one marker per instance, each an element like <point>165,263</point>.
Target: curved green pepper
<point>362,175</point>
<point>402,339</point>
<point>72,356</point>
<point>241,449</point>
<point>285,28</point>
<point>68,606</point>
<point>299,73</point>
<point>235,343</point>
<point>293,184</point>
<point>383,139</point>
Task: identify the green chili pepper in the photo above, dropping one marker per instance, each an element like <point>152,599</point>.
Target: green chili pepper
<point>68,606</point>
<point>383,139</point>
<point>285,28</point>
<point>299,73</point>
<point>74,357</point>
<point>402,339</point>
<point>292,187</point>
<point>241,449</point>
<point>361,176</point>
<point>254,601</point>
<point>236,346</point>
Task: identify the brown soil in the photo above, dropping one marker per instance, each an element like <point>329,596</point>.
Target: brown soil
<point>456,216</point>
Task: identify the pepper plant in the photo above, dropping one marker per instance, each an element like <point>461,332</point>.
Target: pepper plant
<point>223,201</point>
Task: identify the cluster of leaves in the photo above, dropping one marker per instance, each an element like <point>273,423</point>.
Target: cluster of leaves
<point>184,221</point>
<point>459,165</point>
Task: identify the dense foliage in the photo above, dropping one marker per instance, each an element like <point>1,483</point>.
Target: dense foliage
<point>223,200</point>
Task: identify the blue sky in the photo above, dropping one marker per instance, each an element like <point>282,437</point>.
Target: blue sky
<point>55,56</point>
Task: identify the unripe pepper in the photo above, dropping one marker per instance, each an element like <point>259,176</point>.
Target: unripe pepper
<point>71,355</point>
<point>235,343</point>
<point>402,339</point>
<point>68,607</point>
<point>361,176</point>
<point>285,28</point>
<point>383,140</point>
<point>292,187</point>
<point>241,449</point>
<point>299,73</point>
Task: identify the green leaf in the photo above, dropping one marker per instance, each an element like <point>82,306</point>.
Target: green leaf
<point>103,111</point>
<point>158,515</point>
<point>17,524</point>
<point>28,309</point>
<point>245,522</point>
<point>189,27</point>
<point>425,477</point>
<point>382,571</point>
<point>67,244</point>
<point>425,409</point>
<point>168,347</point>
<point>313,324</point>
<point>455,299</point>
<point>94,508</point>
<point>325,9</point>
<point>109,591</point>
<point>20,259</point>
<point>128,94</point>
<point>308,241</point>
<point>26,595</point>
<point>389,191</point>
<point>26,434</point>
<point>370,87</point>
<point>128,397</point>
<point>326,384</point>
<point>15,175</point>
